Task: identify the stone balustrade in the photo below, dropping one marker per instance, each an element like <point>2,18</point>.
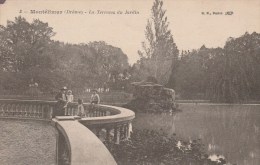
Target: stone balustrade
<point>28,109</point>
<point>109,123</point>
<point>114,127</point>
<point>91,110</point>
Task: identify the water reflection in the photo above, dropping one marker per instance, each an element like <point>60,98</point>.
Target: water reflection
<point>229,130</point>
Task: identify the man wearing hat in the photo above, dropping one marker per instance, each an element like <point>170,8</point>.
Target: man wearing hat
<point>61,103</point>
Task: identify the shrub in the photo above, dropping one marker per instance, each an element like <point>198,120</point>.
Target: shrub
<point>146,147</point>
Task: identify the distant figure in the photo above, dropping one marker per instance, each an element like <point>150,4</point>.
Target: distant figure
<point>81,111</point>
<point>61,103</point>
<point>33,88</point>
<point>94,97</point>
<point>70,99</point>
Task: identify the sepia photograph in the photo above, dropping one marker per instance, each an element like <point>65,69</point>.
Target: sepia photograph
<point>133,82</point>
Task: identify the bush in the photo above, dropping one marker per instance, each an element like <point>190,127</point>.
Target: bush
<point>146,147</point>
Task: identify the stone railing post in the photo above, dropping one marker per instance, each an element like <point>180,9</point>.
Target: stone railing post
<point>116,139</point>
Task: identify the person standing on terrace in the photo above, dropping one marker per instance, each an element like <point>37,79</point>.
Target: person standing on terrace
<point>70,99</point>
<point>81,111</point>
<point>95,99</point>
<point>61,103</point>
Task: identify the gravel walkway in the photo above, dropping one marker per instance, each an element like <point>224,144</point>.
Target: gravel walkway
<point>27,143</point>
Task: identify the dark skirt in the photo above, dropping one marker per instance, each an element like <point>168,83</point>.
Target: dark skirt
<point>94,102</point>
<point>59,110</point>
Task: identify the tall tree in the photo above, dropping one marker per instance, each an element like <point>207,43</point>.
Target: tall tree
<point>159,50</point>
<point>235,72</point>
<point>23,44</point>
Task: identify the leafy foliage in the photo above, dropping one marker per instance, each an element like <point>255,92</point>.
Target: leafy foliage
<point>160,51</point>
<point>146,147</point>
<point>229,74</point>
<point>27,52</point>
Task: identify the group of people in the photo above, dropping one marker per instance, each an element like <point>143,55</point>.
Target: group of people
<point>65,97</point>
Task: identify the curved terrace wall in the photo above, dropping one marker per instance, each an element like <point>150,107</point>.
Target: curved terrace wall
<point>82,146</point>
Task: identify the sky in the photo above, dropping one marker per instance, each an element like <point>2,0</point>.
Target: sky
<point>190,28</point>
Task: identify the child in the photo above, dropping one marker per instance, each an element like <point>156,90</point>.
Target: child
<point>81,111</point>
<point>70,98</point>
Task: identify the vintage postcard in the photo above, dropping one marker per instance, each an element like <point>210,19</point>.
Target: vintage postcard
<point>133,82</point>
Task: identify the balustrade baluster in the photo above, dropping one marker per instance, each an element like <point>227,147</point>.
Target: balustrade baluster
<point>42,111</point>
<point>1,110</point>
<point>116,139</point>
<point>98,132</point>
<point>29,109</point>
<point>12,110</point>
<point>108,134</point>
<point>127,130</point>
<point>51,112</point>
<point>17,110</point>
<point>38,111</point>
<point>33,111</point>
<point>69,111</point>
<point>25,107</point>
<point>5,109</point>
<point>30,113</point>
<point>8,110</point>
<point>121,132</point>
<point>22,110</point>
<point>90,112</point>
<point>95,112</point>
<point>73,111</point>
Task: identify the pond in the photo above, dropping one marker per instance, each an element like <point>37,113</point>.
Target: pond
<point>27,142</point>
<point>228,130</point>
